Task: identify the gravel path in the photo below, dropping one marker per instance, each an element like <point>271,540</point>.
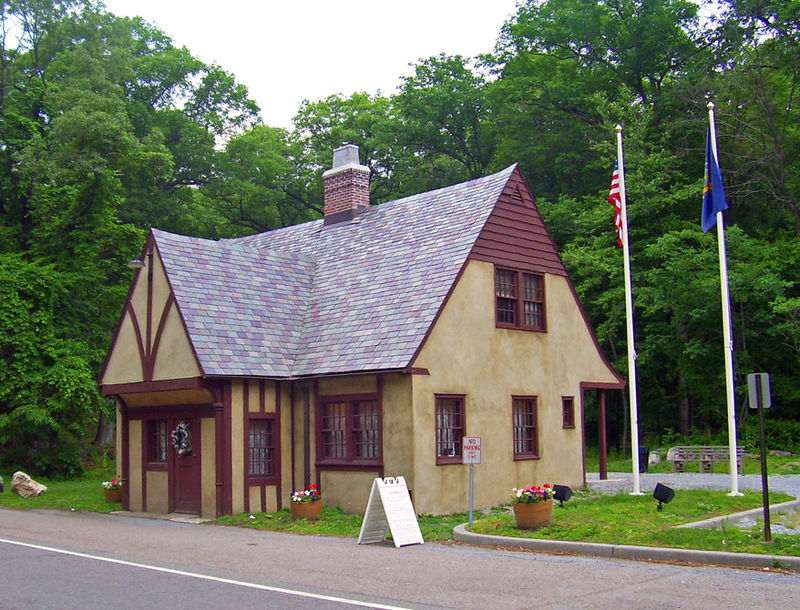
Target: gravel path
<point>623,481</point>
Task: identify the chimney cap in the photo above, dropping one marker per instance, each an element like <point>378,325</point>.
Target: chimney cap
<point>346,154</point>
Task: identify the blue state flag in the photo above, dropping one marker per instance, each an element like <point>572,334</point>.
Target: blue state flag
<point>713,192</point>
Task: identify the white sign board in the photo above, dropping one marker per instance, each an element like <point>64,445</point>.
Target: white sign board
<point>471,450</point>
<point>390,508</point>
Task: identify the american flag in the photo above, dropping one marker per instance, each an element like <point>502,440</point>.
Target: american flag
<point>615,200</point>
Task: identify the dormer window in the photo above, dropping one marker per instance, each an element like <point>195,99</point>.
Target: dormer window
<point>519,299</point>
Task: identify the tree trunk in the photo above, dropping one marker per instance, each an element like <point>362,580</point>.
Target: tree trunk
<point>105,431</point>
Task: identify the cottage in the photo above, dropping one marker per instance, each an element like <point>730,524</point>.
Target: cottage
<point>363,344</point>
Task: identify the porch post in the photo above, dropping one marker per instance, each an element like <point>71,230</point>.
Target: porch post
<point>602,444</point>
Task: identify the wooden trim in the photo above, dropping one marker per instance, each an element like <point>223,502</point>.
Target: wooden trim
<point>168,385</point>
<point>219,415</point>
<point>205,410</point>
<point>526,455</point>
<point>414,370</point>
<point>348,400</point>
<point>278,452</point>
<point>126,455</point>
<point>602,443</point>
<point>442,460</point>
<point>519,287</point>
<point>515,233</point>
<point>568,425</point>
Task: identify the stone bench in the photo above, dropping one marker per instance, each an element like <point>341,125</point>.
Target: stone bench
<point>707,456</point>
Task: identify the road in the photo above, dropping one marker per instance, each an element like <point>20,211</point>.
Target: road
<point>87,560</point>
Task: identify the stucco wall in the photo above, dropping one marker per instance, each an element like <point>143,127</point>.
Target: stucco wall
<point>466,354</point>
<point>135,474</point>
<point>157,492</point>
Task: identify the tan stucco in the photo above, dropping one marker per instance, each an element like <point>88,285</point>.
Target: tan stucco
<point>124,363</point>
<point>353,384</point>
<point>466,354</point>
<point>135,475</point>
<point>208,468</point>
<point>237,445</point>
<point>157,492</point>
<point>348,490</point>
<point>174,358</point>
<point>286,447</point>
<point>398,430</point>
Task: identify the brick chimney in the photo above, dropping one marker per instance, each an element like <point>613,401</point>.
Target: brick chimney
<point>346,186</point>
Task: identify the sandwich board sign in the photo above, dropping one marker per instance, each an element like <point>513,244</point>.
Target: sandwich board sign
<point>390,508</point>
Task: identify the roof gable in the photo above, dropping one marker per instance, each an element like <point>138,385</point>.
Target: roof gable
<point>515,234</point>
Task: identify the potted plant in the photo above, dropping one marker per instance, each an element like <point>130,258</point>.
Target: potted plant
<point>113,489</point>
<point>307,503</point>
<point>533,506</point>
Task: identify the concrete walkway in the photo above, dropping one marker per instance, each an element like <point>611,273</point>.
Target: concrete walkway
<point>617,482</point>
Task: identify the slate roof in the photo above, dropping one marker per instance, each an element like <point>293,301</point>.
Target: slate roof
<point>312,299</point>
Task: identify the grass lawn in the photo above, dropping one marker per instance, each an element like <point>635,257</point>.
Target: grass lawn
<point>78,494</point>
<point>634,520</point>
<point>587,517</point>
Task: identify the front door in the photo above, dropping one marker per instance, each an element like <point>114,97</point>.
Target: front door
<point>186,482</point>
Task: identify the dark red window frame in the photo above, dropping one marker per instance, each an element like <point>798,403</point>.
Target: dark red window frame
<point>568,411</point>
<point>450,421</point>
<point>525,427</point>
<point>350,430</point>
<point>519,299</point>
<point>262,459</point>
<point>157,444</point>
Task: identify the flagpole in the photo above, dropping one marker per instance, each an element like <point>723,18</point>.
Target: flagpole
<point>629,318</point>
<point>726,324</point>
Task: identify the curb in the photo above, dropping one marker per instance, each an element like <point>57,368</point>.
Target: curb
<point>791,506</point>
<point>620,551</point>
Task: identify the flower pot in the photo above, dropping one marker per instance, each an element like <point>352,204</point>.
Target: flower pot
<point>113,495</point>
<point>533,515</point>
<point>307,510</point>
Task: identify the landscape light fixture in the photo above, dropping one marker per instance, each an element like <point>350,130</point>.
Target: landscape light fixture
<point>136,263</point>
<point>562,493</point>
<point>664,494</point>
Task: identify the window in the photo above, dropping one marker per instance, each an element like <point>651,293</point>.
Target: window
<point>526,434</point>
<point>350,430</point>
<point>568,411</point>
<point>157,437</point>
<point>449,428</point>
<point>260,448</point>
<point>519,299</point>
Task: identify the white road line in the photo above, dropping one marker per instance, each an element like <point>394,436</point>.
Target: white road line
<point>227,581</point>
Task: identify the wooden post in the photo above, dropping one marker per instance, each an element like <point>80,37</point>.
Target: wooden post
<point>602,444</point>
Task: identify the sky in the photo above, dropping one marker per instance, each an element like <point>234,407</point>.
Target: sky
<point>288,51</point>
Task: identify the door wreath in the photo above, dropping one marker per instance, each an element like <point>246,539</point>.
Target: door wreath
<point>182,439</point>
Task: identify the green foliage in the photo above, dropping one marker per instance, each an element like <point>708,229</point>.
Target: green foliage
<point>780,434</point>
